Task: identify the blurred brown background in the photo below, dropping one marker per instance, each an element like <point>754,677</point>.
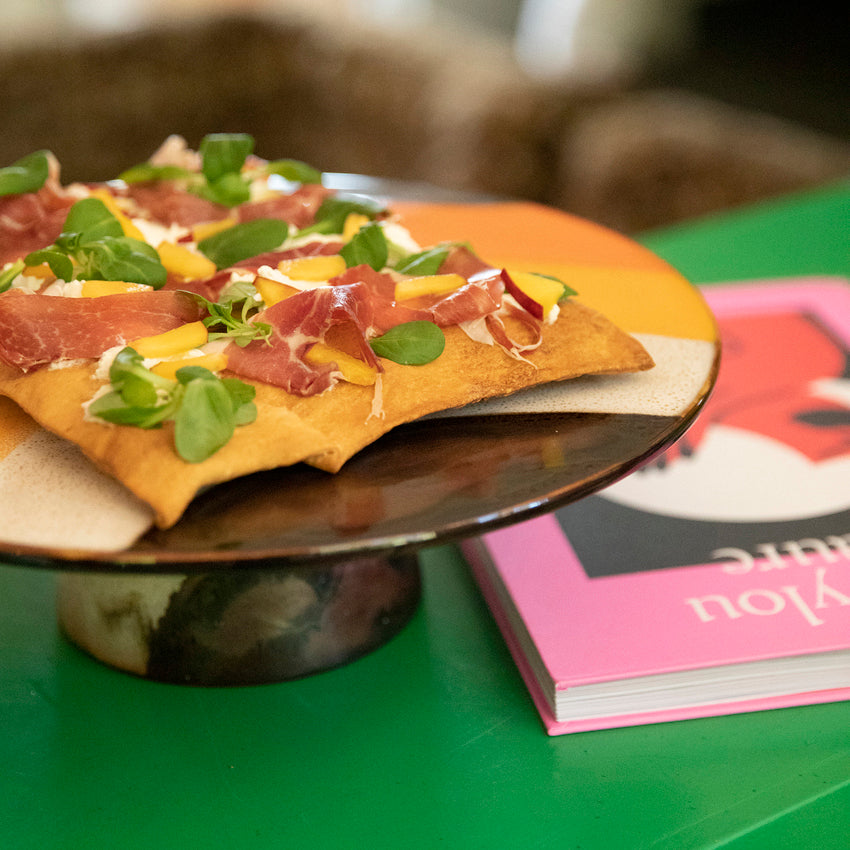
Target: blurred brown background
<point>635,113</point>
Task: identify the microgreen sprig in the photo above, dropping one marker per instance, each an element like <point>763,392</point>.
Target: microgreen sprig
<point>93,246</point>
<point>224,177</point>
<point>205,409</point>
<point>232,315</point>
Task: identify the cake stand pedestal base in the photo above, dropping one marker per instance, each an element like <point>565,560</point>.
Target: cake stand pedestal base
<point>239,626</point>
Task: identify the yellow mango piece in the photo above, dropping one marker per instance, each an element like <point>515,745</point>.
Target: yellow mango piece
<point>542,290</point>
<point>96,288</point>
<point>431,284</point>
<point>353,371</point>
<point>185,263</point>
<point>353,223</point>
<point>272,291</point>
<point>42,270</point>
<point>168,368</point>
<point>176,341</point>
<point>111,204</point>
<point>319,268</point>
<point>210,228</point>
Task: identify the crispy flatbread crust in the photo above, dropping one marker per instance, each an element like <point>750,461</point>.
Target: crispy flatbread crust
<point>323,430</point>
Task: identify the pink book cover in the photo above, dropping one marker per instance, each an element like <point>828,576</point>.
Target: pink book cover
<point>733,547</point>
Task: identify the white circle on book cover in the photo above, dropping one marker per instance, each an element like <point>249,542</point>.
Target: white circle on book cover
<point>738,476</point>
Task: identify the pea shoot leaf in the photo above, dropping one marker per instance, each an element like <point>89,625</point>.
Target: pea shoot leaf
<point>425,262</point>
<point>331,215</point>
<point>237,243</point>
<point>293,170</point>
<point>28,174</point>
<point>205,409</point>
<point>369,246</point>
<point>411,343</point>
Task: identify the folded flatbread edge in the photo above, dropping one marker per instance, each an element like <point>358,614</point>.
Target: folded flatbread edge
<point>323,430</point>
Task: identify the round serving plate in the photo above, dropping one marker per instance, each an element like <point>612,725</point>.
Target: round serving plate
<point>284,573</point>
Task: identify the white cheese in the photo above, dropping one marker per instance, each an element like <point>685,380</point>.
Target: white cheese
<point>155,233</point>
<point>274,274</point>
<point>65,289</point>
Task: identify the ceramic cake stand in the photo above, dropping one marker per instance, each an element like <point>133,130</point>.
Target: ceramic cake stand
<point>285,573</point>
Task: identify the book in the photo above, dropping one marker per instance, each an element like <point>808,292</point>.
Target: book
<point>715,579</point>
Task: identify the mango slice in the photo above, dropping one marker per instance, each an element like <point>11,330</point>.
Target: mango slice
<point>168,368</point>
<point>353,371</point>
<point>210,228</point>
<point>272,291</point>
<point>536,293</point>
<point>319,268</point>
<point>96,288</point>
<point>175,341</point>
<point>185,263</point>
<point>432,284</point>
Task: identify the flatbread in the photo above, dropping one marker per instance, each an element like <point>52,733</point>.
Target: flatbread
<point>323,430</point>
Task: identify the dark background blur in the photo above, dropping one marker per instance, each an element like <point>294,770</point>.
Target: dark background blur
<point>635,113</point>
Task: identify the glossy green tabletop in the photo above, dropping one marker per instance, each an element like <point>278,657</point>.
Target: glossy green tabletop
<point>431,741</point>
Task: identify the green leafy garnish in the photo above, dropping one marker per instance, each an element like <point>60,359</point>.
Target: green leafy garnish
<point>60,263</point>
<point>8,276</point>
<point>368,245</point>
<point>28,174</point>
<point>426,262</point>
<point>232,315</point>
<point>205,421</point>
<point>222,158</point>
<point>92,247</point>
<point>411,343</point>
<point>293,170</point>
<point>205,409</point>
<point>223,178</point>
<point>224,153</point>
<point>331,215</point>
<point>121,258</point>
<point>146,172</point>
<point>237,243</point>
<point>88,220</point>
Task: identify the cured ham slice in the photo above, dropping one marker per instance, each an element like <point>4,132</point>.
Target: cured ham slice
<point>40,329</point>
<point>298,323</point>
<point>298,208</point>
<point>31,221</point>
<point>309,249</point>
<point>166,203</point>
<point>482,295</point>
<point>464,262</point>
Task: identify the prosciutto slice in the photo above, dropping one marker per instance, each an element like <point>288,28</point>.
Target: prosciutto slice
<point>480,296</point>
<point>40,329</point>
<point>29,222</point>
<point>298,323</point>
<point>166,203</point>
<point>298,208</point>
<point>309,249</point>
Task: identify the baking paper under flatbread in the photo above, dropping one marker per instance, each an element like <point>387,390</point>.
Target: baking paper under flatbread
<point>323,430</point>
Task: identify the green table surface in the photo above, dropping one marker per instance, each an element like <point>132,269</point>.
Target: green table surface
<point>432,740</point>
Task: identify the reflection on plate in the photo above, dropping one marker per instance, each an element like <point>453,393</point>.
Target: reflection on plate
<point>423,483</point>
